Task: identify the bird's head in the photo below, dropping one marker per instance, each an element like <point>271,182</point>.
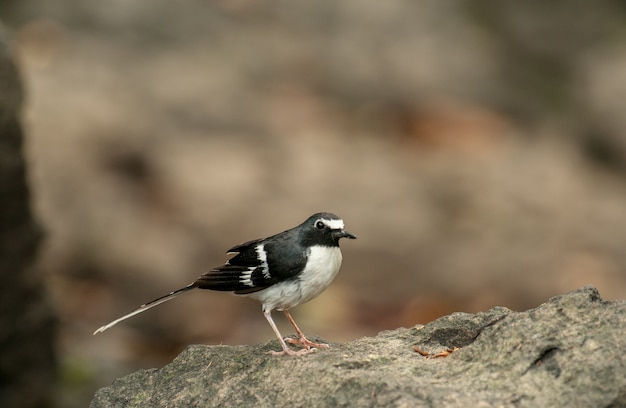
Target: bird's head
<point>324,229</point>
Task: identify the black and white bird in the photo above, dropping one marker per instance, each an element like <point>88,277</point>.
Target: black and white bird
<point>281,271</point>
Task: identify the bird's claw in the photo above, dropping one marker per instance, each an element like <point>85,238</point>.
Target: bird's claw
<point>306,343</point>
<point>289,352</point>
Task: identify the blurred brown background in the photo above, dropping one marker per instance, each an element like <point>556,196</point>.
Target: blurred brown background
<point>477,149</point>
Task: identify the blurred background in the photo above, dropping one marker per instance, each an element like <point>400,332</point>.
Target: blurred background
<point>477,150</point>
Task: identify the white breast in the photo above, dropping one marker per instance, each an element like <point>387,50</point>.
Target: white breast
<point>322,266</point>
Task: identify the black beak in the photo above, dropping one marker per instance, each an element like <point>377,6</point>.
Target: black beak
<point>345,234</point>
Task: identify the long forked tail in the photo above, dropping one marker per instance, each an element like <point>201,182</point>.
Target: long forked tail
<point>147,306</point>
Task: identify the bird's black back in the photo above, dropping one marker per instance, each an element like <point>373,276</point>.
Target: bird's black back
<point>261,263</point>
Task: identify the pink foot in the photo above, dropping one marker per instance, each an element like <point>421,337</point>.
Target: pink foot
<point>307,344</point>
<point>290,352</point>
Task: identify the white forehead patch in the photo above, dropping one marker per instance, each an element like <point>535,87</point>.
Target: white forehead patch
<point>332,224</point>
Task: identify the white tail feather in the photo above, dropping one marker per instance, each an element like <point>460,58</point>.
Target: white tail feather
<point>146,306</point>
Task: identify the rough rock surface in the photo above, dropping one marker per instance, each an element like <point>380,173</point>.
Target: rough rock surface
<point>566,352</point>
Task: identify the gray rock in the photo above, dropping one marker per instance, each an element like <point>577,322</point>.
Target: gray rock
<point>566,352</point>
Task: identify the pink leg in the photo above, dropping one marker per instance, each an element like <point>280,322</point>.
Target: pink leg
<point>286,350</point>
<point>303,341</point>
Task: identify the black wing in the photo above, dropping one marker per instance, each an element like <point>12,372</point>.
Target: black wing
<point>249,270</point>
<point>286,260</point>
<point>243,273</point>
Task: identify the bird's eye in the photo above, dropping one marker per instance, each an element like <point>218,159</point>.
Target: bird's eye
<point>320,225</point>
